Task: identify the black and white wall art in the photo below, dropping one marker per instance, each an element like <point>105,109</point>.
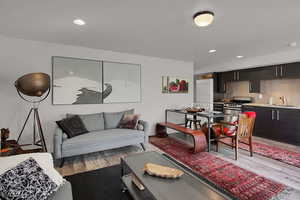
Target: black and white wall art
<point>125,80</point>
<point>82,81</point>
<point>77,81</point>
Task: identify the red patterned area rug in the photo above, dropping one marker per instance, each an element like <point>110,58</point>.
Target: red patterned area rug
<point>240,183</point>
<point>273,152</point>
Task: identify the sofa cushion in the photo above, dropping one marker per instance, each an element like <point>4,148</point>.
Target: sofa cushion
<point>72,126</point>
<point>92,122</point>
<point>112,119</point>
<point>104,137</point>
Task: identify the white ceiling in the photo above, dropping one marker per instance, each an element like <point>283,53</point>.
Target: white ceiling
<point>162,28</point>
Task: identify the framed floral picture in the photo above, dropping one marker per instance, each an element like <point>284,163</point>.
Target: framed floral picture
<point>175,84</point>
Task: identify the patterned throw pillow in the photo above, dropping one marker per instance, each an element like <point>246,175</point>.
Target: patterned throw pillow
<point>72,126</point>
<point>129,121</point>
<point>26,181</point>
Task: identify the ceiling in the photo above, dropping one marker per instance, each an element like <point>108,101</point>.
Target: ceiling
<point>161,28</point>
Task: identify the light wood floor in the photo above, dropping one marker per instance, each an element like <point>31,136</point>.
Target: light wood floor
<point>272,169</point>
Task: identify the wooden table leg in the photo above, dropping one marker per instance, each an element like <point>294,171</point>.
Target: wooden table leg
<point>195,121</point>
<point>200,143</point>
<point>208,134</point>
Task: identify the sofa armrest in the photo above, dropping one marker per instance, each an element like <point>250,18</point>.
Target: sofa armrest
<point>58,140</point>
<point>145,128</point>
<point>63,193</point>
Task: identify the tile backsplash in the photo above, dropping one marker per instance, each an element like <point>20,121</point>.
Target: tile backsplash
<point>290,88</point>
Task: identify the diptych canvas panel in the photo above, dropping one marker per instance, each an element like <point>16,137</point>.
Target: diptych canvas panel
<point>125,80</point>
<point>82,81</point>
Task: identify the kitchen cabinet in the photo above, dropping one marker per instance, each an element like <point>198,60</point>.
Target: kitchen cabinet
<point>222,86</point>
<point>228,76</point>
<point>254,86</point>
<point>219,82</point>
<point>266,73</point>
<point>263,121</point>
<point>288,125</point>
<point>216,79</point>
<point>242,75</point>
<point>280,124</point>
<point>280,71</point>
<point>291,70</point>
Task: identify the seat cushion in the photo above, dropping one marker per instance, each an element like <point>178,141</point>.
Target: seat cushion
<point>103,138</point>
<point>112,119</point>
<point>92,122</point>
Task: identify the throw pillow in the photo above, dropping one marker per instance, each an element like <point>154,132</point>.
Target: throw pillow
<point>129,121</point>
<point>92,122</point>
<point>44,160</point>
<point>26,181</point>
<point>72,126</point>
<point>112,119</point>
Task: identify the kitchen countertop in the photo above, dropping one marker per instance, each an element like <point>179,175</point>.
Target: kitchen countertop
<point>219,102</point>
<point>271,106</point>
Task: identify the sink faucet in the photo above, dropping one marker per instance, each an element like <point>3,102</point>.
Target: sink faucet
<point>283,100</point>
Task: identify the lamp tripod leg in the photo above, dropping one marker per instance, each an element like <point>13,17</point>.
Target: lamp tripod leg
<point>41,134</point>
<point>20,134</point>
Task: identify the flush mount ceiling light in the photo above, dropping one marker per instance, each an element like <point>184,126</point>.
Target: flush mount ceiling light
<point>240,56</point>
<point>79,22</point>
<point>203,18</point>
<point>212,51</point>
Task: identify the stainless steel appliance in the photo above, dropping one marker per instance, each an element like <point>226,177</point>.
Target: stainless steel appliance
<point>219,106</point>
<point>235,106</point>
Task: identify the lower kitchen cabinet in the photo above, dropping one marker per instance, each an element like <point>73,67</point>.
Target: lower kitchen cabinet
<point>280,124</point>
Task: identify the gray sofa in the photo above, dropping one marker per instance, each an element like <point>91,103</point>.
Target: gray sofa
<point>63,193</point>
<point>103,135</point>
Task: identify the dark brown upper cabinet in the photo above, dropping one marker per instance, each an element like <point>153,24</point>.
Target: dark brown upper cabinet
<point>291,70</point>
<point>242,75</point>
<point>266,73</point>
<point>228,76</point>
<point>254,86</point>
<point>219,84</point>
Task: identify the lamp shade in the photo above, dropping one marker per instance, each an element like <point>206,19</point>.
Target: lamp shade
<point>33,84</point>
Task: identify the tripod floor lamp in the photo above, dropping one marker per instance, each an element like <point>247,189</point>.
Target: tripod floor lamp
<point>34,88</point>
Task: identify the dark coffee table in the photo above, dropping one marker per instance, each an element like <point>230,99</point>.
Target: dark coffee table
<point>188,186</point>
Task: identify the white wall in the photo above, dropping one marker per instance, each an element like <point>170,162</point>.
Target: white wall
<point>18,57</point>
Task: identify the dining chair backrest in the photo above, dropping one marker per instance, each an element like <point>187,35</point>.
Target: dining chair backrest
<point>246,124</point>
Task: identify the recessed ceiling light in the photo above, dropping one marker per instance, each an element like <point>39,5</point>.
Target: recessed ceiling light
<point>203,18</point>
<point>293,44</point>
<point>240,56</point>
<point>212,51</point>
<point>79,22</point>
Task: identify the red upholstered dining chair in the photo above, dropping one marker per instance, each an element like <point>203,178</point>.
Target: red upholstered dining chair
<point>239,129</point>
